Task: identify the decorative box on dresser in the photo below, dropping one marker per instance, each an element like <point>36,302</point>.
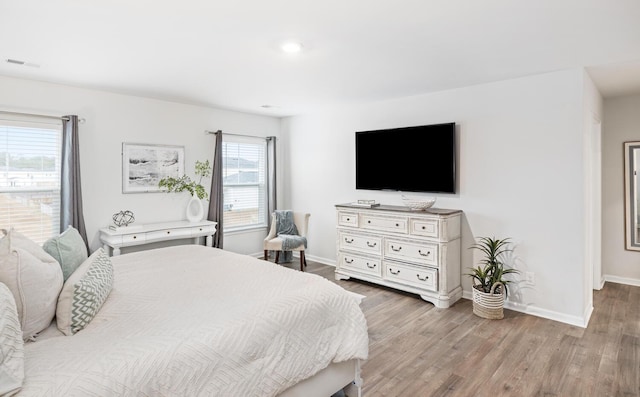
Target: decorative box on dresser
<point>413,251</point>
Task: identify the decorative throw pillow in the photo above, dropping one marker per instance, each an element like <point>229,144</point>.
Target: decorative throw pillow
<point>68,249</point>
<point>33,277</point>
<point>11,345</point>
<point>84,293</point>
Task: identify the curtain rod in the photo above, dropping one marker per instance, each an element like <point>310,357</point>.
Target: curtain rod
<point>246,136</point>
<point>44,116</point>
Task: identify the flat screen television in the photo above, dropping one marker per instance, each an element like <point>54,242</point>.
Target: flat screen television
<point>411,159</point>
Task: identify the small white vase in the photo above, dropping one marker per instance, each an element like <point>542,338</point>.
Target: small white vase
<point>195,209</point>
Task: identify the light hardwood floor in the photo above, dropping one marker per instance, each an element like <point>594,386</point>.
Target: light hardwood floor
<point>418,350</point>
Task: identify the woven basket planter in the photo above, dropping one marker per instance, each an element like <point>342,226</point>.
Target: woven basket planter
<point>489,305</point>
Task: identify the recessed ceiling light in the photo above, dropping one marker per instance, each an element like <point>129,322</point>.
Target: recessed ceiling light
<point>291,47</point>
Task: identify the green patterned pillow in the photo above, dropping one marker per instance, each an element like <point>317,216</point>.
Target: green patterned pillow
<point>84,293</point>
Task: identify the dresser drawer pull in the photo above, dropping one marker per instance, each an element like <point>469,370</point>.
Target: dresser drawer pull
<point>346,240</point>
<point>135,237</point>
<point>371,245</point>
<point>200,229</point>
<point>368,221</point>
<point>397,225</point>
<point>423,227</point>
<point>371,266</point>
<point>394,272</point>
<point>396,249</point>
<point>348,260</point>
<point>168,231</point>
<point>348,219</point>
<point>423,254</point>
<point>422,279</point>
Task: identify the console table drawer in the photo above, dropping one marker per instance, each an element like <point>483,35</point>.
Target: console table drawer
<point>369,244</point>
<point>386,224</point>
<point>163,234</point>
<point>347,219</point>
<point>420,253</point>
<point>203,229</point>
<point>424,278</point>
<point>133,238</point>
<point>360,264</point>
<point>424,227</point>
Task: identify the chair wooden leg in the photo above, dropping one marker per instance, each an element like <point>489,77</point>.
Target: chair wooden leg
<point>303,261</point>
<point>277,256</point>
<point>266,255</point>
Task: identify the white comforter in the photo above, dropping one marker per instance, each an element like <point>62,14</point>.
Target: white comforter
<point>198,321</point>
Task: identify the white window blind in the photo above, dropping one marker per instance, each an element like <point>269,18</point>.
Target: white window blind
<point>244,182</point>
<point>30,153</point>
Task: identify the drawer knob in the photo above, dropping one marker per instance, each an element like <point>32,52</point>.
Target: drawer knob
<point>422,279</point>
<point>135,237</point>
<point>346,240</point>
<point>168,231</point>
<point>371,245</point>
<point>371,266</point>
<point>348,260</point>
<point>368,221</point>
<point>423,227</point>
<point>200,229</point>
<point>397,225</point>
<point>348,219</point>
<point>394,272</point>
<point>423,254</point>
<point>396,249</point>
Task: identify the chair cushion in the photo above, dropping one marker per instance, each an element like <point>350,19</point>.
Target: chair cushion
<point>84,293</point>
<point>11,345</point>
<point>33,277</point>
<point>68,249</point>
<point>275,244</point>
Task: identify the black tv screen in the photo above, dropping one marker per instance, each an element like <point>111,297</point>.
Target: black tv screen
<point>411,159</point>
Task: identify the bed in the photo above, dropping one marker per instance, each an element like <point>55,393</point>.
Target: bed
<point>198,321</point>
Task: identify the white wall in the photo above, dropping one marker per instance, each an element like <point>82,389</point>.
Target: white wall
<point>112,119</point>
<point>621,124</point>
<point>520,175</point>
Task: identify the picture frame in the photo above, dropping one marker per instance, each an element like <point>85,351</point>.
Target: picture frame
<point>143,165</point>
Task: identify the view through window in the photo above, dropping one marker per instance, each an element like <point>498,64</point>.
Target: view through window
<point>244,182</point>
<point>30,178</point>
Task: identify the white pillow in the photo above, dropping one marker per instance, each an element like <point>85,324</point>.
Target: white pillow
<point>84,293</point>
<point>11,345</point>
<point>33,277</point>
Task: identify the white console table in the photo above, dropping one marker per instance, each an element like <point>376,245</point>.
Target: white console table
<point>152,232</point>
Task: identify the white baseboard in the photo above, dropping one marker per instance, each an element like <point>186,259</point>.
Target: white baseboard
<point>622,280</point>
<point>544,313</point>
<point>319,259</point>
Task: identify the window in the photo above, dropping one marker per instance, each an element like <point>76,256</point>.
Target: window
<point>30,154</point>
<point>244,182</point>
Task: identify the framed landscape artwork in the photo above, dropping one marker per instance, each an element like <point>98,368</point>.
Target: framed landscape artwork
<point>144,165</point>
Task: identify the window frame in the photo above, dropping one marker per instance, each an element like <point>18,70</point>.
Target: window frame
<point>34,122</point>
<point>262,187</point>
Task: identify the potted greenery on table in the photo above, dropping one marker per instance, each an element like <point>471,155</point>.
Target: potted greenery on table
<point>195,209</point>
<point>489,285</point>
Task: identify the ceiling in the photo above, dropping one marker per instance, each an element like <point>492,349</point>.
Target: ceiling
<point>226,53</point>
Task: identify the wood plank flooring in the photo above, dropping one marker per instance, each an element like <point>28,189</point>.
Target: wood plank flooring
<point>418,350</point>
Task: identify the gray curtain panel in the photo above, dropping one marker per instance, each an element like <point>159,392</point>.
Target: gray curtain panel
<point>216,203</point>
<point>70,190</point>
<point>271,181</point>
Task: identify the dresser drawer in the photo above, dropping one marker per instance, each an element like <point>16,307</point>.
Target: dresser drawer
<point>357,242</point>
<point>360,264</point>
<point>385,224</point>
<point>420,253</point>
<point>347,219</point>
<point>424,278</point>
<point>424,227</point>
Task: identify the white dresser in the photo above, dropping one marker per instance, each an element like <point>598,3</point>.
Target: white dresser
<point>413,251</point>
<point>152,232</point>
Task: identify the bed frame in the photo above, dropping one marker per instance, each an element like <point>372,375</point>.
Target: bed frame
<point>336,377</point>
